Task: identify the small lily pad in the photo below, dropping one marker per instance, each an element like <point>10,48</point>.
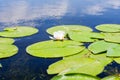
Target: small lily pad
<point>76,65</point>
<point>85,36</point>
<point>100,46</point>
<point>67,28</point>
<point>108,27</point>
<point>18,31</point>
<point>112,37</point>
<point>51,48</point>
<point>6,41</point>
<point>75,77</point>
<point>112,77</point>
<point>7,50</point>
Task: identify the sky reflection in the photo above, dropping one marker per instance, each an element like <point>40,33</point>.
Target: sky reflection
<point>24,10</point>
<point>100,7</point>
<point>16,10</point>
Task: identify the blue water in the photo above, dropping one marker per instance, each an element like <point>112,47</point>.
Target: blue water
<point>43,14</point>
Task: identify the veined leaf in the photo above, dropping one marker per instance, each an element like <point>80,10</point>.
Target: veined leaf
<point>6,41</point>
<point>108,27</point>
<point>75,77</point>
<point>102,58</point>
<point>18,31</point>
<point>49,49</point>
<point>100,46</point>
<point>112,77</point>
<point>77,65</point>
<point>67,28</point>
<point>7,50</point>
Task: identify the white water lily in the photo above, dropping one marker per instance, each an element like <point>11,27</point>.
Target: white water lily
<point>58,35</point>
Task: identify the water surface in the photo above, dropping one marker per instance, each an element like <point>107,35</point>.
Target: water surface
<point>43,14</point>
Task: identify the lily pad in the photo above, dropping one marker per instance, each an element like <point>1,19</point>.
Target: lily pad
<point>112,37</point>
<point>112,77</point>
<point>100,46</point>
<point>85,36</point>
<point>117,59</point>
<point>49,49</point>
<point>7,50</point>
<point>68,28</point>
<point>76,65</point>
<point>75,77</point>
<point>114,51</point>
<point>108,27</point>
<point>18,31</point>
<point>83,54</point>
<point>6,41</point>
<point>102,58</point>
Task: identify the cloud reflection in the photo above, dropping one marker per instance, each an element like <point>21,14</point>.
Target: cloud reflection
<point>23,10</point>
<point>100,7</point>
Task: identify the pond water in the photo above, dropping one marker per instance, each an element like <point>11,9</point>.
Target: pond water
<point>43,14</point>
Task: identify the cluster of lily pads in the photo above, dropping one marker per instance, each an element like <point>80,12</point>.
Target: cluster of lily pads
<point>80,62</point>
<point>7,47</point>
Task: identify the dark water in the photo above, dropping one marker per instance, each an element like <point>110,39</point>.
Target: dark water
<point>43,14</point>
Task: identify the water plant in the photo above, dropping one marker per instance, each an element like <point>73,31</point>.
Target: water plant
<point>7,47</point>
<point>18,31</point>
<point>78,62</point>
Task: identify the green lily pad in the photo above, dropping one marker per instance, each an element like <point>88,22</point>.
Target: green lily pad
<point>108,27</point>
<point>18,31</point>
<point>75,77</point>
<point>102,58</point>
<point>7,50</point>
<point>112,37</point>
<point>68,28</point>
<point>112,77</point>
<point>6,41</point>
<point>76,65</point>
<point>51,48</point>
<point>83,54</point>
<point>100,46</point>
<point>114,51</point>
<point>85,36</point>
<point>117,59</point>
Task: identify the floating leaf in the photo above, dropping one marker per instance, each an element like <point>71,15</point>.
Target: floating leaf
<point>7,50</point>
<point>18,31</point>
<point>100,46</point>
<point>76,65</point>
<point>108,27</point>
<point>102,58</point>
<point>85,36</point>
<point>6,41</point>
<point>112,37</point>
<point>68,28</point>
<point>114,51</point>
<point>83,54</point>
<point>54,48</point>
<point>113,77</point>
<point>75,77</point>
<point>80,36</point>
<point>117,60</point>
